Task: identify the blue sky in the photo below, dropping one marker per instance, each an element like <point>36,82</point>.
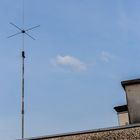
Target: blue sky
<point>83,50</point>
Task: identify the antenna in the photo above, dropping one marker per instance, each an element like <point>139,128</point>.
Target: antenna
<point>23,31</point>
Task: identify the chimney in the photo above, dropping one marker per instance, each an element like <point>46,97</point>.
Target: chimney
<point>132,89</point>
<point>122,112</point>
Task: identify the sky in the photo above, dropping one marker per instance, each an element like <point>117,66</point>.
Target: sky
<point>74,68</point>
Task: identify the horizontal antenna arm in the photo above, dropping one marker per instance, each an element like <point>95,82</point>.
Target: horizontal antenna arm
<point>14,34</point>
<point>32,28</point>
<point>15,26</point>
<point>30,36</point>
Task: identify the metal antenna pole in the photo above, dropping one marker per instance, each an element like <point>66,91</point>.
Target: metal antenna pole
<point>23,57</point>
<point>23,31</point>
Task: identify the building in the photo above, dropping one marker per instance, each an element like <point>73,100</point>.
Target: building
<point>132,90</point>
<point>128,117</point>
<point>122,112</point>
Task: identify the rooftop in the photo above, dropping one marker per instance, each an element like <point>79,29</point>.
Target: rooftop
<point>130,82</point>
<point>121,108</point>
<point>85,132</point>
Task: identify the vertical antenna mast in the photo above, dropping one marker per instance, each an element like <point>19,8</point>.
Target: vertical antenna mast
<point>23,31</point>
<point>23,57</point>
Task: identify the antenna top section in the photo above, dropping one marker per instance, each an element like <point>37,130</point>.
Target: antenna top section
<point>23,31</point>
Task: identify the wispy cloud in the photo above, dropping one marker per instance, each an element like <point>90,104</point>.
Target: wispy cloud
<point>69,62</point>
<point>105,56</point>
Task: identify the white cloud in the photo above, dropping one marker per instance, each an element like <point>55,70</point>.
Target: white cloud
<point>105,56</point>
<point>69,62</point>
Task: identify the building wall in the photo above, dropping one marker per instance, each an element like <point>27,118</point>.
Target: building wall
<point>133,98</point>
<point>122,133</point>
<point>123,118</point>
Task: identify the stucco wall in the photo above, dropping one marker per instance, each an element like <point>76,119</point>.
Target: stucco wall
<point>129,132</point>
<point>123,118</point>
<point>133,101</point>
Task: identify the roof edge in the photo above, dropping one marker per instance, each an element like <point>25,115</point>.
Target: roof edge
<point>84,132</point>
<point>121,108</point>
<point>130,82</point>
